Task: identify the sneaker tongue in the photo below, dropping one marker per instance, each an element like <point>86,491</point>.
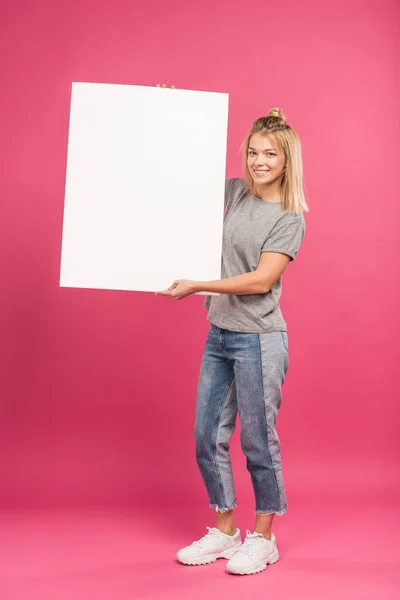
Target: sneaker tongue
<point>253,535</point>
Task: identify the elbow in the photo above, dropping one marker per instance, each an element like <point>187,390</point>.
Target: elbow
<point>263,287</point>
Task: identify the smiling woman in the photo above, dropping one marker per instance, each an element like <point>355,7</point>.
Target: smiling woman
<point>246,357</point>
<point>272,162</point>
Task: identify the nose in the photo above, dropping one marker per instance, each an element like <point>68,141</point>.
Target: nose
<point>259,161</point>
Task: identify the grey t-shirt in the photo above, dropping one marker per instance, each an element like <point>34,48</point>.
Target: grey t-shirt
<point>252,226</point>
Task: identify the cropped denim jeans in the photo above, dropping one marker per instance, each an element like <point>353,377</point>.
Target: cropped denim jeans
<point>241,372</point>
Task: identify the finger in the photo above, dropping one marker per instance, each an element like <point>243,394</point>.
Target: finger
<point>172,87</point>
<point>164,85</point>
<point>158,85</point>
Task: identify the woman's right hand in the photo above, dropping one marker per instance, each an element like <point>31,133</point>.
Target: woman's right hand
<point>164,85</point>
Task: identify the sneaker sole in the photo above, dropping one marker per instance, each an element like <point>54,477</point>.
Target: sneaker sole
<point>256,569</point>
<point>209,558</point>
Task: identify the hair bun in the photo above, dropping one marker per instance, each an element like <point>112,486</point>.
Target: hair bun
<point>277,114</point>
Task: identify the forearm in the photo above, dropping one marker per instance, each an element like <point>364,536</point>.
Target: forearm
<point>248,283</point>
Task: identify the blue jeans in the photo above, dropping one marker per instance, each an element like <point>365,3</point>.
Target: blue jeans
<point>241,372</point>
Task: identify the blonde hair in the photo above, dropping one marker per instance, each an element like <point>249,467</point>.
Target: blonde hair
<point>274,126</point>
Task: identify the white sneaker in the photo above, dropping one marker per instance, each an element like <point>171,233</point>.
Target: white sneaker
<point>213,545</point>
<point>254,555</point>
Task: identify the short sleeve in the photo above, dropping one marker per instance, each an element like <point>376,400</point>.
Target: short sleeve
<point>286,236</point>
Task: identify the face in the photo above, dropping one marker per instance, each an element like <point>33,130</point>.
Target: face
<point>264,160</point>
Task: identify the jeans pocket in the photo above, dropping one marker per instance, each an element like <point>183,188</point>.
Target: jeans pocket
<point>285,340</point>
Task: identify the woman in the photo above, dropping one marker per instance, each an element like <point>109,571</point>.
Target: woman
<point>246,354</point>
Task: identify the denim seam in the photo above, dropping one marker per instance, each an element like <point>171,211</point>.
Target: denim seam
<point>284,342</point>
<point>215,434</point>
<point>266,423</point>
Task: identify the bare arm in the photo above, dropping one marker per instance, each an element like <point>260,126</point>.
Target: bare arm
<point>260,281</point>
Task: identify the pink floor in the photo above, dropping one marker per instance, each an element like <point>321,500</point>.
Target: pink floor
<point>128,554</point>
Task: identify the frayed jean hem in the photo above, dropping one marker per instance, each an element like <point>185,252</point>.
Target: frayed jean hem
<point>280,513</point>
<point>223,510</point>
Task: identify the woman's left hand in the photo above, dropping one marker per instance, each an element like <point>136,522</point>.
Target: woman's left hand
<point>179,289</point>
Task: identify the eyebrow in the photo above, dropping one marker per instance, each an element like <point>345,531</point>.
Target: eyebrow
<point>265,150</point>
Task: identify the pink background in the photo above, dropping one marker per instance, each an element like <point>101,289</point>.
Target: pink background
<point>98,481</point>
<point>98,387</point>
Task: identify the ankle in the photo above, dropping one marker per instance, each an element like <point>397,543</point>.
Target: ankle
<point>228,530</point>
<point>266,534</point>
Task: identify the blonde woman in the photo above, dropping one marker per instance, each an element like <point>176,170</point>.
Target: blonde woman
<point>245,358</point>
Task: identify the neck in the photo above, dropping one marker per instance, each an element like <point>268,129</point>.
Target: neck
<point>270,192</point>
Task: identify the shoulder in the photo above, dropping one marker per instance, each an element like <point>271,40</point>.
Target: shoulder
<point>234,183</point>
<point>294,219</point>
<point>234,189</point>
<point>288,225</point>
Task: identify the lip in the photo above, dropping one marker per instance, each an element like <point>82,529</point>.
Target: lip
<point>260,174</point>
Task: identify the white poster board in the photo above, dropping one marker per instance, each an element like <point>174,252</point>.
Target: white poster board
<point>145,186</point>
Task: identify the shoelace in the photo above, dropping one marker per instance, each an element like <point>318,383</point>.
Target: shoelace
<point>213,533</point>
<point>248,546</point>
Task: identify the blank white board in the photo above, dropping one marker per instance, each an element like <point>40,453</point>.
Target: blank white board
<point>144,190</point>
